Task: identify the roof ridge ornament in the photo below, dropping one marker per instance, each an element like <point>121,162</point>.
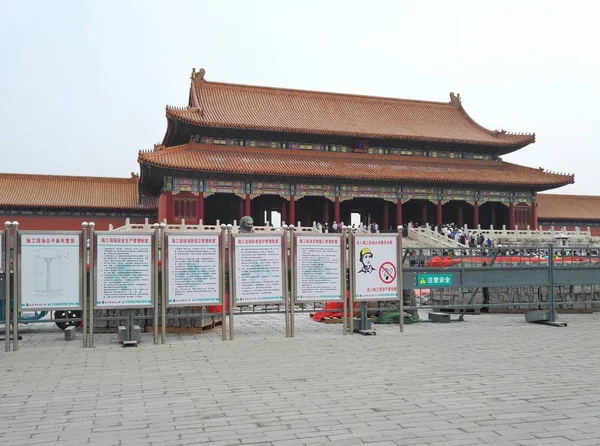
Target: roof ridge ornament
<point>198,74</point>
<point>455,99</point>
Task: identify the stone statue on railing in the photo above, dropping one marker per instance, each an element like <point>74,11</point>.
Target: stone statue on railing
<point>246,224</point>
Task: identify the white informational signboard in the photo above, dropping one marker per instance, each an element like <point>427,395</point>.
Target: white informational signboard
<point>123,270</point>
<point>318,268</point>
<point>50,270</point>
<point>375,267</point>
<point>258,269</point>
<point>193,269</point>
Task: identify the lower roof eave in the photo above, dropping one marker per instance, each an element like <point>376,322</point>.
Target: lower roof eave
<point>328,178</point>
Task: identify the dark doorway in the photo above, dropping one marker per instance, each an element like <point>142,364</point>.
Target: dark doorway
<point>493,214</point>
<point>419,212</point>
<point>223,207</point>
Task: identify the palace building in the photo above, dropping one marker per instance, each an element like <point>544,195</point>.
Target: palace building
<point>237,150</point>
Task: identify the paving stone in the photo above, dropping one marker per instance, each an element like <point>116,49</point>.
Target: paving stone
<point>491,380</point>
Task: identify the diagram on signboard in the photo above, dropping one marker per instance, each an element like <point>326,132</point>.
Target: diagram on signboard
<point>48,272</point>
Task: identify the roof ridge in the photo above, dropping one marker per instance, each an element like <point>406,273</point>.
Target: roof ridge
<point>70,177</point>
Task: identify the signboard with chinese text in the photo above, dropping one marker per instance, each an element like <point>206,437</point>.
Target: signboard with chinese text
<point>375,267</point>
<point>318,268</point>
<point>192,269</point>
<point>431,280</point>
<point>123,268</point>
<point>50,270</point>
<point>258,269</point>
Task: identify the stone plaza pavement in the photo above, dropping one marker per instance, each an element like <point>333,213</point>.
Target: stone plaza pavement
<point>493,379</point>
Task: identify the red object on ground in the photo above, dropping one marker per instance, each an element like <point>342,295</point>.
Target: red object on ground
<point>329,306</point>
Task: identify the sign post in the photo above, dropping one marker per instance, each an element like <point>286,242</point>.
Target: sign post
<point>258,268</point>
<point>318,273</point>
<point>124,270</point>
<point>7,297</point>
<point>192,269</point>
<point>50,270</point>
<point>376,270</point>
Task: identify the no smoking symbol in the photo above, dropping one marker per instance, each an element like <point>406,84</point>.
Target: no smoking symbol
<point>387,272</point>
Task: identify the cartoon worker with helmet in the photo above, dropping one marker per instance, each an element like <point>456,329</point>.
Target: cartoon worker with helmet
<point>366,257</point>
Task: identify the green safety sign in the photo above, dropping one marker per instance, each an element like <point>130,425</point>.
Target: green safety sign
<point>428,280</point>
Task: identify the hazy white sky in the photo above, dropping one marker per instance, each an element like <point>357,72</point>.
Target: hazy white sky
<point>84,84</point>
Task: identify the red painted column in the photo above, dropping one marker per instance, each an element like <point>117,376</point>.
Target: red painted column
<point>424,213</point>
<point>326,212</point>
<point>292,211</point>
<point>200,206</point>
<point>439,213</point>
<point>460,221</point>
<point>336,210</point>
<point>511,217</point>
<point>476,214</point>
<point>534,224</point>
<point>399,212</point>
<point>386,218</point>
<point>247,206</point>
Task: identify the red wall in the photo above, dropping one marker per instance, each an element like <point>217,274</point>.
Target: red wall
<point>48,222</point>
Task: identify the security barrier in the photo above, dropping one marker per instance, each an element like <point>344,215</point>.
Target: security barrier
<point>159,267</point>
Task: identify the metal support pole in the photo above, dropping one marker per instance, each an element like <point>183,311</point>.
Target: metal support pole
<point>222,243</point>
<point>552,309</point>
<point>231,284</point>
<point>399,280</point>
<point>161,255</point>
<point>352,284</point>
<point>7,296</point>
<point>289,289</point>
<point>157,305</point>
<point>344,266</point>
<point>16,288</point>
<point>83,284</point>
<point>92,285</point>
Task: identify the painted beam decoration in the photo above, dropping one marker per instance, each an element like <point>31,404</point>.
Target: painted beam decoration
<point>265,144</point>
<point>50,270</point>
<point>318,264</point>
<point>224,187</point>
<point>375,267</point>
<point>523,197</point>
<point>494,195</point>
<point>123,270</point>
<point>261,187</point>
<point>186,185</point>
<point>420,193</point>
<point>356,191</point>
<point>467,195</point>
<point>192,269</point>
<point>318,190</point>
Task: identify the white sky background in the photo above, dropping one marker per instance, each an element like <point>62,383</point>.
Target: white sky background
<point>84,84</point>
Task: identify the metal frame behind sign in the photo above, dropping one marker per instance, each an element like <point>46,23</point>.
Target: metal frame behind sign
<point>166,271</point>
<point>398,280</point>
<point>48,236</point>
<point>341,238</point>
<point>233,302</point>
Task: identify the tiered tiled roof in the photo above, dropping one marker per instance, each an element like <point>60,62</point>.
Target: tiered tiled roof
<point>352,166</point>
<point>216,104</point>
<point>55,191</point>
<point>568,207</point>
